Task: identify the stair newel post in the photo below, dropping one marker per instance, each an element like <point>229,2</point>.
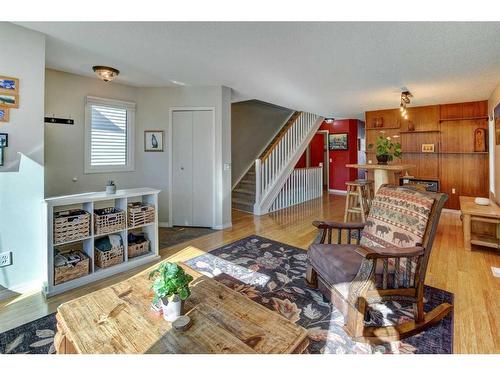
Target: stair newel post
<point>258,184</point>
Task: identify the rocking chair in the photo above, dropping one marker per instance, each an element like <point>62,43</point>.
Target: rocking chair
<point>384,259</point>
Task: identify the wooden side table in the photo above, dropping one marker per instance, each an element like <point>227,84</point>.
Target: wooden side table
<point>481,224</point>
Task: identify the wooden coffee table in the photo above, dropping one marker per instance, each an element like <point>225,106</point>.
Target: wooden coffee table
<point>118,319</point>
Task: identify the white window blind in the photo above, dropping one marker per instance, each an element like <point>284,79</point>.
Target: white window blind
<point>108,139</point>
<point>109,135</point>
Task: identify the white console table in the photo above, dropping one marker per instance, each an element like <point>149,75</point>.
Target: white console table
<point>89,202</point>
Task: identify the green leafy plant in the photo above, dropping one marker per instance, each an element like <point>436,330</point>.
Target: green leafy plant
<point>170,279</point>
<point>386,147</point>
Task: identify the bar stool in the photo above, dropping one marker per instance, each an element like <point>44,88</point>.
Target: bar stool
<point>370,190</point>
<point>358,199</point>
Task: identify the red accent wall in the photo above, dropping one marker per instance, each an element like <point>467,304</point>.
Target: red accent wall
<point>339,173</point>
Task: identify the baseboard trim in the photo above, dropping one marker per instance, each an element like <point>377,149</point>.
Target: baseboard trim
<point>337,192</point>
<point>452,211</point>
<point>31,287</point>
<point>164,224</point>
<point>223,226</point>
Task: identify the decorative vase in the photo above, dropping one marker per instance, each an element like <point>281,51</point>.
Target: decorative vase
<point>172,309</point>
<point>382,159</point>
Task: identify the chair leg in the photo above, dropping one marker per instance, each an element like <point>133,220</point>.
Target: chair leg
<point>419,311</point>
<point>311,277</point>
<point>355,320</point>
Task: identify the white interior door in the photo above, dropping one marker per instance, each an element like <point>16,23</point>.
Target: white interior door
<point>203,168</point>
<point>182,168</point>
<point>192,168</point>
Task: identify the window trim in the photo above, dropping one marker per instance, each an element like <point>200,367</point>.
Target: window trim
<point>130,108</point>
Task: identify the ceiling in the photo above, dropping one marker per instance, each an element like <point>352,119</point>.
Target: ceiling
<point>336,69</point>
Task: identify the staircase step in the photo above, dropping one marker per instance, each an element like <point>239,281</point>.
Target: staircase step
<point>242,205</point>
<point>247,182</point>
<point>244,191</point>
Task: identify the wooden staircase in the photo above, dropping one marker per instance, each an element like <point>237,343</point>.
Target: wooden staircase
<point>243,196</point>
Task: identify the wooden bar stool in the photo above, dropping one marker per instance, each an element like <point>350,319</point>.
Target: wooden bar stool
<point>358,199</point>
<point>370,190</point>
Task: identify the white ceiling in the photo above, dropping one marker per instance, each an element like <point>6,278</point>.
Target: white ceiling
<point>338,69</point>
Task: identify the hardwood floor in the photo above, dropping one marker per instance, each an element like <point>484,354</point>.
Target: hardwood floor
<point>467,274</point>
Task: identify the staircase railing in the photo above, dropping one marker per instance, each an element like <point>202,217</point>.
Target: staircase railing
<point>276,164</point>
<point>302,185</point>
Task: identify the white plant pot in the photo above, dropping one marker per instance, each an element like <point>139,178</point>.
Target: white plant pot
<point>171,309</point>
<point>110,189</point>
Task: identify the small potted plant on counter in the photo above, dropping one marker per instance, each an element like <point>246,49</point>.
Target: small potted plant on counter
<point>386,150</point>
<point>171,288</point>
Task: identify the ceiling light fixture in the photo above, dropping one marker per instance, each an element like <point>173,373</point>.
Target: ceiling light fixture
<point>329,120</point>
<point>105,73</point>
<point>405,99</point>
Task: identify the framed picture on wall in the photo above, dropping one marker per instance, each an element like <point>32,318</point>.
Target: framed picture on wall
<point>153,140</point>
<point>9,100</point>
<point>337,142</point>
<point>496,118</point>
<point>4,140</point>
<point>9,85</point>
<point>4,114</point>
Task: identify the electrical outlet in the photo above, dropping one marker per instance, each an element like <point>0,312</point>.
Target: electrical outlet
<point>6,259</point>
<point>453,191</point>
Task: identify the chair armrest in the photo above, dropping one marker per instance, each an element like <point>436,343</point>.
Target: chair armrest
<point>337,225</point>
<point>389,252</point>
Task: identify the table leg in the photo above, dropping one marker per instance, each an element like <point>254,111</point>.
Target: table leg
<point>467,231</point>
<point>381,176</point>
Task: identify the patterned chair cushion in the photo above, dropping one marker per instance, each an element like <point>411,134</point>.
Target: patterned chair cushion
<point>398,217</point>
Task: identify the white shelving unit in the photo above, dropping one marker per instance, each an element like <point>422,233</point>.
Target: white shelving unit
<point>89,202</point>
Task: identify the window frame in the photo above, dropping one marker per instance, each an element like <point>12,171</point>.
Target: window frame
<point>130,135</point>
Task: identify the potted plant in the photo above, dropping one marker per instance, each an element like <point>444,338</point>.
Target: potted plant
<point>386,150</point>
<point>171,288</point>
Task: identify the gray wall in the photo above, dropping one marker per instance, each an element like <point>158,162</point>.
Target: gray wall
<point>64,152</point>
<point>22,229</point>
<point>254,125</point>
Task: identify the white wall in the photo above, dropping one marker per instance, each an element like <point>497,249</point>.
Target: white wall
<point>21,179</point>
<point>494,149</point>
<point>23,57</point>
<point>65,96</point>
<point>254,125</point>
<point>64,144</point>
<point>153,106</point>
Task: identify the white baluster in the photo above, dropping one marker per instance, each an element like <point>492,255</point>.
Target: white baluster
<point>257,180</point>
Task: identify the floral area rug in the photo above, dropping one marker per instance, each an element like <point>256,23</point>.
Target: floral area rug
<point>272,274</point>
<point>36,337</point>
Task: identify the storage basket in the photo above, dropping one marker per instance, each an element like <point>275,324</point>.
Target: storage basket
<point>71,271</point>
<point>71,225</point>
<point>134,250</point>
<point>108,220</point>
<point>140,214</point>
<point>105,259</point>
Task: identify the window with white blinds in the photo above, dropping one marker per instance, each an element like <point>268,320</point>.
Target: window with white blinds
<point>109,128</point>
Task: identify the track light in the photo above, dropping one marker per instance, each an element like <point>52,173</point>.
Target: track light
<point>405,99</point>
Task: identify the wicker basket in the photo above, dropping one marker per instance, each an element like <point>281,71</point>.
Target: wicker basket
<point>71,271</point>
<point>140,214</point>
<point>135,250</point>
<point>71,225</point>
<point>105,259</point>
<point>108,220</point>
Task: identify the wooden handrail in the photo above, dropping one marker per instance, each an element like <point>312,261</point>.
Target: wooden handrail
<point>280,135</point>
